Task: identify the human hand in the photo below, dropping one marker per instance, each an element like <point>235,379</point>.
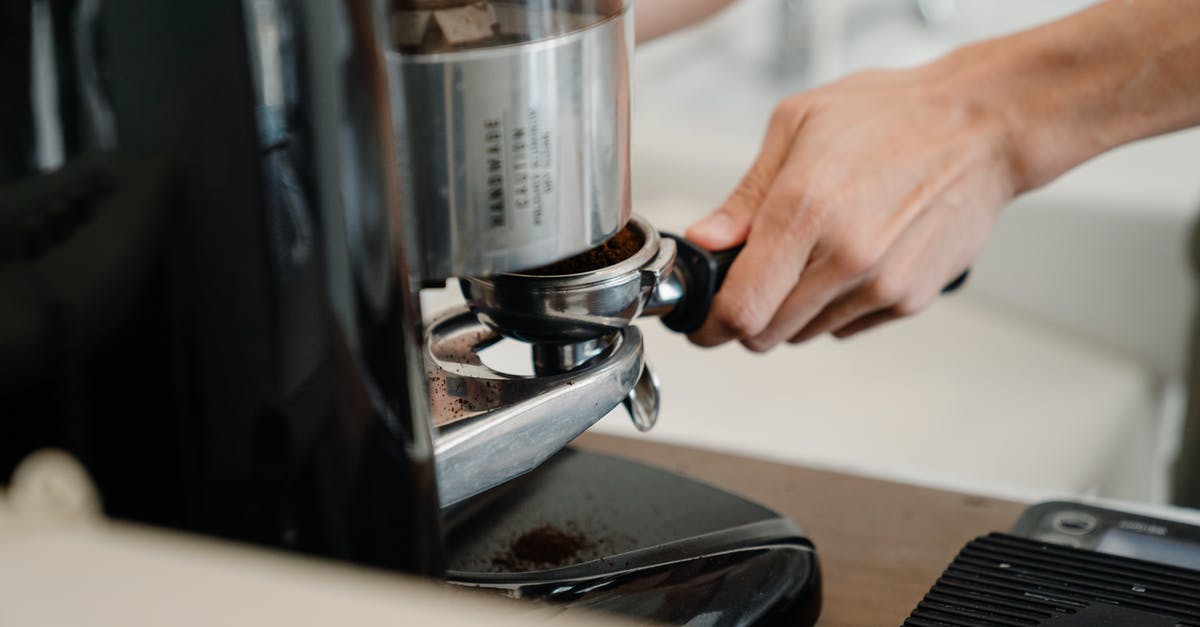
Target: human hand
<point>868,197</point>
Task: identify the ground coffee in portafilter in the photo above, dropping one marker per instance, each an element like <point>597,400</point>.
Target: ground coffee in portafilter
<point>618,248</point>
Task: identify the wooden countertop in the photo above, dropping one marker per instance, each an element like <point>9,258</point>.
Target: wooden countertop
<point>881,544</point>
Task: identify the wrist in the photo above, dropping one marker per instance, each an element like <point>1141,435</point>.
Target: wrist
<point>1029,98</point>
<point>972,83</point>
<point>1070,90</point>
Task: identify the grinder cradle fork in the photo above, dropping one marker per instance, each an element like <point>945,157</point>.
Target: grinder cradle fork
<point>493,426</point>
<point>587,358</point>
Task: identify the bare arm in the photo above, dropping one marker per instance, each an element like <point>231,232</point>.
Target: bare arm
<point>1120,71</point>
<point>655,18</point>
<point>871,193</point>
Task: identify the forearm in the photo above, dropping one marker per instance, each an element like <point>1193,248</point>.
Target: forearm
<point>1068,91</point>
<point>655,18</point>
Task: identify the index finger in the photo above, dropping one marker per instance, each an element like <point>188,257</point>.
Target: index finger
<point>781,239</point>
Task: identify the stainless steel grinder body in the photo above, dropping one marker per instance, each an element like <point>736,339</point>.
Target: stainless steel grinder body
<point>520,150</point>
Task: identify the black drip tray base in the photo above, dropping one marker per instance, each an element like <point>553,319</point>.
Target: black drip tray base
<point>600,532</point>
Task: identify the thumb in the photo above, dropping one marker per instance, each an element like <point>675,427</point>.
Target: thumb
<point>729,225</point>
<point>724,228</point>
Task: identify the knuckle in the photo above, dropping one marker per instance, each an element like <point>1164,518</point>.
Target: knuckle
<point>788,113</point>
<point>793,215</point>
<point>910,306</point>
<point>752,188</point>
<point>855,258</point>
<point>742,318</point>
<point>844,334</point>
<point>786,110</point>
<point>757,346</point>
<point>884,289</point>
<point>797,194</point>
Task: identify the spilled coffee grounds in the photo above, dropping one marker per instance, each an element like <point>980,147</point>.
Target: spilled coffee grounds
<point>544,547</point>
<point>618,248</point>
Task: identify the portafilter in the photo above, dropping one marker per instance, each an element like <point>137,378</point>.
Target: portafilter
<point>668,276</point>
<point>588,358</point>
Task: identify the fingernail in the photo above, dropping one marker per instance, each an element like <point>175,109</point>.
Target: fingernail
<point>716,228</point>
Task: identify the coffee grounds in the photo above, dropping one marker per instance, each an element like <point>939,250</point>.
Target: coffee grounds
<point>543,547</point>
<point>618,248</point>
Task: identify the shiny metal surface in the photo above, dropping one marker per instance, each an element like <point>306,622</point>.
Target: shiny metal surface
<point>558,358</point>
<point>667,294</point>
<point>643,400</point>
<point>571,320</point>
<point>497,426</point>
<point>524,149</point>
<point>574,307</point>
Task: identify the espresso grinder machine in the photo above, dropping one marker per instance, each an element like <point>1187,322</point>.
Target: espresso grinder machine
<point>217,216</point>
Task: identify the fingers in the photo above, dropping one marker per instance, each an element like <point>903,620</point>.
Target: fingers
<point>841,312</point>
<point>866,322</point>
<point>777,245</point>
<point>905,282</point>
<point>867,306</point>
<point>868,195</point>
<point>729,224</point>
<point>780,242</point>
<point>895,283</point>
<point>818,286</point>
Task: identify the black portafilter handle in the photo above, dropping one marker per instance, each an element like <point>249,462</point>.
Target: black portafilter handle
<point>702,273</point>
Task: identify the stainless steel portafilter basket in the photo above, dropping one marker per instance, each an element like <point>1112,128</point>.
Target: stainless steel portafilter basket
<point>571,308</point>
<point>668,277</point>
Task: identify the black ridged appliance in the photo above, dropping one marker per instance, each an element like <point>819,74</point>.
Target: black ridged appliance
<point>1003,580</point>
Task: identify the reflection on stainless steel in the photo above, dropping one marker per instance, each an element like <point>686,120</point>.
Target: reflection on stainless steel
<point>557,358</point>
<point>667,294</point>
<point>95,99</point>
<point>497,426</point>
<point>47,100</point>
<point>643,400</point>
<point>524,148</point>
